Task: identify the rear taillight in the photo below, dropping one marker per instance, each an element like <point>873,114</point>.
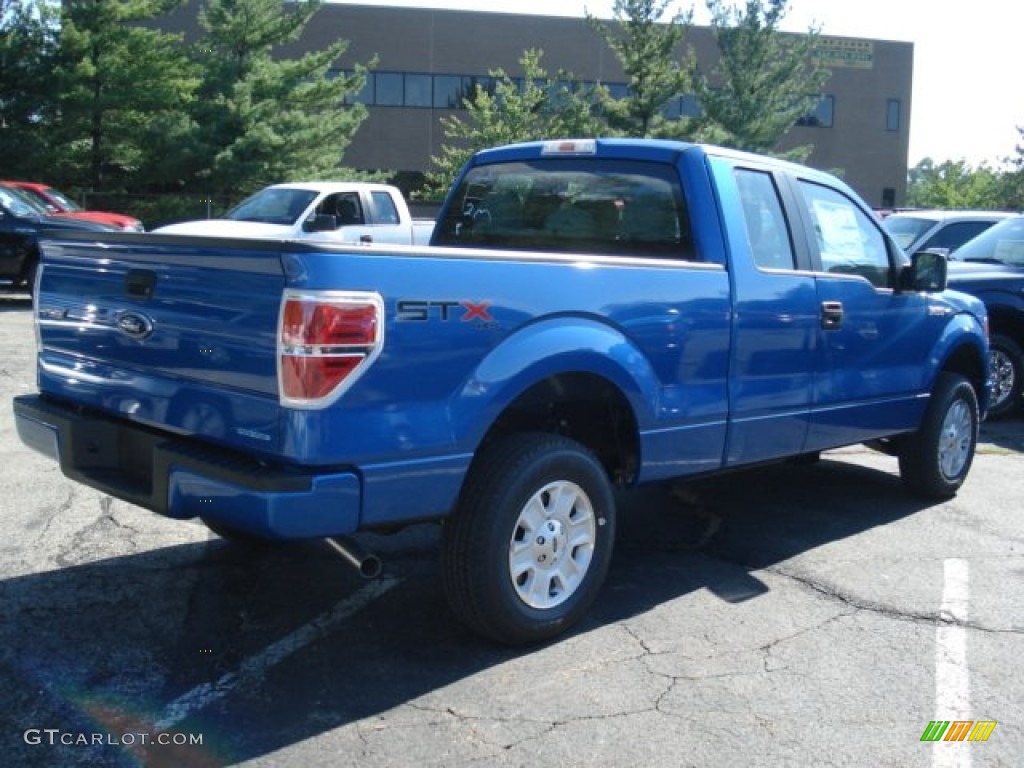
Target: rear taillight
<point>325,342</point>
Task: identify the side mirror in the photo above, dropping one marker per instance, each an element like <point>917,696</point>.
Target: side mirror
<point>322,222</point>
<point>928,271</point>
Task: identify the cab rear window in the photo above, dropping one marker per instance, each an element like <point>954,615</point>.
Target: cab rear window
<point>570,206</point>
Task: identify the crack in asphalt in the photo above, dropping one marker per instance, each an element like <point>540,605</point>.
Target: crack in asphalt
<point>931,618</point>
<point>67,556</point>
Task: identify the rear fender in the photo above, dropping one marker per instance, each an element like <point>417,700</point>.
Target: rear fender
<point>543,350</point>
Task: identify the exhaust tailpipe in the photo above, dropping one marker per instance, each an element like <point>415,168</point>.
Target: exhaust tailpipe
<point>368,564</point>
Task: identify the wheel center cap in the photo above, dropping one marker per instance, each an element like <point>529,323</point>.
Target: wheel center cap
<point>549,544</point>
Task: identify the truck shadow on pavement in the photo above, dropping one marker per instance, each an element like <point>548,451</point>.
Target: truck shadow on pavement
<point>165,640</point>
<point>15,302</point>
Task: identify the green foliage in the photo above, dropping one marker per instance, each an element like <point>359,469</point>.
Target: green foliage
<point>764,79</point>
<point>1012,181</point>
<point>955,184</point>
<point>651,54</point>
<point>116,81</point>
<point>542,108</point>
<point>95,98</point>
<point>28,44</point>
<point>263,119</point>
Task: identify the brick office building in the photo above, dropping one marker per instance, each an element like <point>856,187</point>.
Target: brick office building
<point>428,58</point>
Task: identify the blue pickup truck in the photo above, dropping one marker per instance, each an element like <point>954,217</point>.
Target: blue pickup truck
<point>590,314</point>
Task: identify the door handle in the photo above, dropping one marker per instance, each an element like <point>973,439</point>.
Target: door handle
<point>831,315</point>
<point>366,238</point>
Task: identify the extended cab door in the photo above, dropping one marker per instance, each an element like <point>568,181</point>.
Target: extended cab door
<point>775,325</point>
<point>874,340</point>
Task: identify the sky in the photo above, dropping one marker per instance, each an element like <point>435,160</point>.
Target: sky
<point>967,96</point>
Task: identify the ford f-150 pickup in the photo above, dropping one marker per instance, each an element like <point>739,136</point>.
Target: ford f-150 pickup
<point>590,314</point>
<point>323,211</point>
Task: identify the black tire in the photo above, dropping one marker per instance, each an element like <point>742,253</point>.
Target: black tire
<point>1006,363</point>
<point>495,562</point>
<point>29,276</point>
<point>935,460</point>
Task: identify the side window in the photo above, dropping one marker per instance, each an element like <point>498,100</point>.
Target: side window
<point>384,210</point>
<point>767,232</point>
<point>954,235</point>
<point>848,241</point>
<point>345,207</point>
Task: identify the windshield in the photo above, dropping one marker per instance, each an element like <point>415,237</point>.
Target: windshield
<point>906,229</point>
<point>1002,243</point>
<point>273,206</point>
<point>18,205</point>
<point>65,202</point>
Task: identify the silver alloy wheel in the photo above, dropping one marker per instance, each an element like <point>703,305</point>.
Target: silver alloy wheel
<point>552,545</point>
<point>1002,376</point>
<point>955,439</point>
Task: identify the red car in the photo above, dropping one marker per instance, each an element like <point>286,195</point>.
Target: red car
<point>60,204</point>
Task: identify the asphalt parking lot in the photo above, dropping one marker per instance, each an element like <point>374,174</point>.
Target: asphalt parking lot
<point>789,616</point>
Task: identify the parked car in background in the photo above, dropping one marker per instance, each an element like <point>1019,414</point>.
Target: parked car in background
<point>991,267</point>
<point>924,230</point>
<point>323,211</point>
<point>58,203</point>
<point>21,221</point>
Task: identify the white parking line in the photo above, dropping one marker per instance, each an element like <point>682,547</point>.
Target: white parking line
<point>256,666</point>
<point>952,685</point>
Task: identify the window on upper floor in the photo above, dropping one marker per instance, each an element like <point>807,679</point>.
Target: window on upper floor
<point>823,114</point>
<point>893,121</point>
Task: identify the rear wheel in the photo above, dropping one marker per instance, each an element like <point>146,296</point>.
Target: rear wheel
<point>1005,361</point>
<point>28,279</point>
<point>529,545</point>
<point>935,460</point>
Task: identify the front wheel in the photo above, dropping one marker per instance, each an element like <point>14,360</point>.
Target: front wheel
<point>528,547</point>
<point>935,460</point>
<point>1005,361</point>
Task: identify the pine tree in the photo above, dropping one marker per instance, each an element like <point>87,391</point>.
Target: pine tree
<point>532,107</point>
<point>115,79</point>
<point>28,43</point>
<point>764,79</point>
<point>652,54</point>
<point>264,119</point>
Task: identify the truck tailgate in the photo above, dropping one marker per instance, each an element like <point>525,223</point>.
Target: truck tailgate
<point>174,332</point>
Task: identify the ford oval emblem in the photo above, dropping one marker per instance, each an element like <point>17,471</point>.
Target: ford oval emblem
<point>135,325</point>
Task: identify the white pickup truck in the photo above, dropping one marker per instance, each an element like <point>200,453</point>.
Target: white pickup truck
<point>324,211</point>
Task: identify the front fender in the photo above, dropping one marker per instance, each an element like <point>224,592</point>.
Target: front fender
<point>963,347</point>
<point>562,345</point>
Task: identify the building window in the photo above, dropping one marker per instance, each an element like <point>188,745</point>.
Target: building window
<point>389,89</point>
<point>681,106</point>
<point>892,115</point>
<point>417,90</point>
<point>823,114</point>
<point>888,197</point>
